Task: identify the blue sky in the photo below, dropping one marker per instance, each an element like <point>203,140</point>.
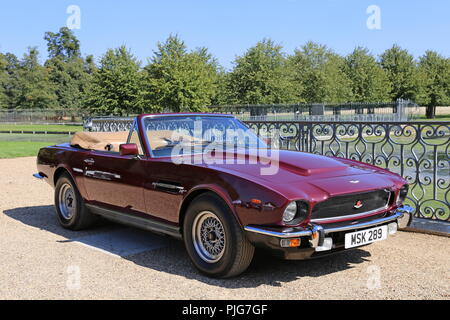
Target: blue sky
<point>229,27</point>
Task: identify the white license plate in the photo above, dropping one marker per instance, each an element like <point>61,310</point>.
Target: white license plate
<point>359,238</point>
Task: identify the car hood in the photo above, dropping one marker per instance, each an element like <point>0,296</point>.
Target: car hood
<point>300,174</point>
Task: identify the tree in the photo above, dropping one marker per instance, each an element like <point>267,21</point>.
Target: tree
<point>9,67</point>
<point>3,83</point>
<point>222,94</point>
<point>62,44</point>
<point>32,88</point>
<point>262,76</point>
<point>369,81</point>
<point>116,88</point>
<point>318,71</point>
<point>401,70</point>
<point>434,71</point>
<point>89,65</point>
<point>67,69</point>
<point>179,80</point>
<point>69,80</point>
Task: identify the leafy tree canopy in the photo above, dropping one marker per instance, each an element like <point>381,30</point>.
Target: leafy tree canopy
<point>401,71</point>
<point>179,80</point>
<point>31,87</point>
<point>319,71</point>
<point>62,44</point>
<point>369,81</point>
<point>434,72</point>
<point>262,76</point>
<point>116,87</point>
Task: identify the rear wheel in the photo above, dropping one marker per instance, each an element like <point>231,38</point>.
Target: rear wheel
<point>214,240</point>
<point>70,209</point>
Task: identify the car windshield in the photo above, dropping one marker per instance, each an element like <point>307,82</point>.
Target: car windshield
<point>175,135</point>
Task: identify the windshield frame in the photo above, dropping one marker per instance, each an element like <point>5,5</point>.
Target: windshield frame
<point>144,134</point>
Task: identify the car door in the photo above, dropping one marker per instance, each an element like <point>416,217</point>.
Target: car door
<point>163,189</point>
<point>114,180</point>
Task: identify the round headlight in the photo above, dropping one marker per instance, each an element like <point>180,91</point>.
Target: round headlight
<point>290,212</point>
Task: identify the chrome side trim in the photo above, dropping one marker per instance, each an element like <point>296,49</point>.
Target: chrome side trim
<point>149,224</point>
<point>78,170</point>
<point>101,175</point>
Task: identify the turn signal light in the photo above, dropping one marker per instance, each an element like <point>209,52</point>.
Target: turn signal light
<point>290,243</point>
<point>256,201</point>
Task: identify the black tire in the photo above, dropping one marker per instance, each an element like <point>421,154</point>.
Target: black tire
<point>77,216</point>
<point>236,253</point>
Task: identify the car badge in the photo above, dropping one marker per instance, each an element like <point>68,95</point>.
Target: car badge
<point>354,181</point>
<point>358,204</point>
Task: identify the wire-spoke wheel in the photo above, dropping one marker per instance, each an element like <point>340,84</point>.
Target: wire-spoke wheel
<point>214,239</point>
<point>208,236</point>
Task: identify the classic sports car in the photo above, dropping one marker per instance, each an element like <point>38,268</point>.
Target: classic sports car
<point>211,181</point>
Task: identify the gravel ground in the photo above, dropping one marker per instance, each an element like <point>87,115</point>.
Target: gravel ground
<point>39,261</point>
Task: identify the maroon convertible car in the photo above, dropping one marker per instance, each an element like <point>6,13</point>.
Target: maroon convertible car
<point>211,181</point>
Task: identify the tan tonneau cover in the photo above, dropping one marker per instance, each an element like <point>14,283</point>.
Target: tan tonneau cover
<point>110,141</point>
<point>103,141</point>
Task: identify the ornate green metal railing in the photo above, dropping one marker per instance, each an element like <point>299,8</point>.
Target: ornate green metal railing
<point>418,151</point>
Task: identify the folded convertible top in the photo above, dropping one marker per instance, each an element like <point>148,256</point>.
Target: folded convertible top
<point>102,141</point>
<point>110,141</point>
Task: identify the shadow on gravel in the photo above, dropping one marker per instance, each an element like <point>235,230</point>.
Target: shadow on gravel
<point>44,218</point>
<point>172,258</point>
<point>264,269</point>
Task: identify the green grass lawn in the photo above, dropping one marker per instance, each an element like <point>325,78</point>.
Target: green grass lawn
<point>40,127</point>
<point>12,149</point>
<point>25,145</point>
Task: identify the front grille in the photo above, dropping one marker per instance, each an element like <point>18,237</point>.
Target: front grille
<point>345,205</point>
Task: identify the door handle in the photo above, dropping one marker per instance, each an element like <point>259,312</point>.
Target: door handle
<point>89,161</point>
<point>168,187</point>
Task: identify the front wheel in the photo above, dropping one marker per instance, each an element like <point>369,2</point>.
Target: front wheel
<point>214,240</point>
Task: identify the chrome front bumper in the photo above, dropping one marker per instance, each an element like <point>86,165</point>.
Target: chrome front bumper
<point>317,233</point>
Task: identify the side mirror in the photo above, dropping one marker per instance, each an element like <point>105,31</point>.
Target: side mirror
<point>128,149</point>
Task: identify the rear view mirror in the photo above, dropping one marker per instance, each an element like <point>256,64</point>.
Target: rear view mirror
<point>127,149</point>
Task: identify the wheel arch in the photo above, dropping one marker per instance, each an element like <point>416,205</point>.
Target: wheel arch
<point>199,190</point>
<point>59,172</point>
